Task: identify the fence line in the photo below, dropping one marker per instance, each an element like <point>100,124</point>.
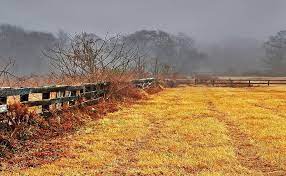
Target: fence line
<point>72,96</point>
<point>91,93</point>
<point>234,82</point>
<point>225,82</point>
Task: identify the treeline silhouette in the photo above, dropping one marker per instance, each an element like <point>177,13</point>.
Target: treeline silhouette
<point>177,52</point>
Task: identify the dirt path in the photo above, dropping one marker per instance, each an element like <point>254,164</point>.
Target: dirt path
<point>181,131</point>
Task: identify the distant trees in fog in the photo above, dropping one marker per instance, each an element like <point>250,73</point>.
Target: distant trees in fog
<point>234,56</point>
<point>157,52</point>
<point>275,50</point>
<point>177,52</point>
<point>164,51</point>
<point>25,47</point>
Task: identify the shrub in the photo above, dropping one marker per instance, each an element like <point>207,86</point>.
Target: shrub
<point>20,121</point>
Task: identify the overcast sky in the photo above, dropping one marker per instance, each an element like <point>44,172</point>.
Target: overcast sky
<point>205,20</point>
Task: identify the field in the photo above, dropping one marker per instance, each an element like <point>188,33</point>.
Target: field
<point>182,131</point>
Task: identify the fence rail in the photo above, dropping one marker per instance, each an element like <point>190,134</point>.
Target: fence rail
<point>235,82</point>
<point>225,82</point>
<point>86,94</point>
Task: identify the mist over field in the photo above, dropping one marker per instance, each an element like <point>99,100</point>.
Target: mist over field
<point>219,37</point>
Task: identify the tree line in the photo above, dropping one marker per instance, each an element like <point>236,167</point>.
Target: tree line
<point>153,51</point>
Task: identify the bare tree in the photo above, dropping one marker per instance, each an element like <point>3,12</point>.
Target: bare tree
<point>93,58</point>
<point>6,72</point>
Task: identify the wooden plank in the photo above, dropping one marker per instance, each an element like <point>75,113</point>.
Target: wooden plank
<point>141,81</point>
<point>72,94</point>
<point>92,91</point>
<point>228,80</point>
<point>25,91</point>
<point>46,101</point>
<point>90,102</point>
<point>4,92</point>
<point>45,97</point>
<point>246,83</point>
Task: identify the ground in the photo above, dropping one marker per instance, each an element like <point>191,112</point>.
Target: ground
<point>182,131</point>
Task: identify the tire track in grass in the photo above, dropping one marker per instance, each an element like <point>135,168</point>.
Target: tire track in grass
<point>246,151</point>
<point>131,159</point>
<point>276,111</point>
<point>156,126</point>
<point>155,132</point>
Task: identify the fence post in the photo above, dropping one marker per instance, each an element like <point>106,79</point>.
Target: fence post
<point>88,88</point>
<point>268,82</point>
<point>45,96</point>
<point>60,94</point>
<point>72,94</point>
<point>249,83</point>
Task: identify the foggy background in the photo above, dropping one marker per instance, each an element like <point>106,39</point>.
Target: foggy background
<point>223,36</point>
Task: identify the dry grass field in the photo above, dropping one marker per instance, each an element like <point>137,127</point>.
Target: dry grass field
<point>182,131</point>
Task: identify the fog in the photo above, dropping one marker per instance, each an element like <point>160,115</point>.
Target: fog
<point>230,32</point>
<point>207,20</point>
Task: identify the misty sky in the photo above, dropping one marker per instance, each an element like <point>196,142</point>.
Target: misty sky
<point>205,20</point>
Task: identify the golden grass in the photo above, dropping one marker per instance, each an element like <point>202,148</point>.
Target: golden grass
<point>182,131</point>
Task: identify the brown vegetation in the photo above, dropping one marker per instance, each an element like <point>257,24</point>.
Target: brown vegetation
<point>29,140</point>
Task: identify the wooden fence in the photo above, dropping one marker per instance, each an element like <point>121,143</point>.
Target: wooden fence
<point>239,82</point>
<point>55,97</point>
<point>225,82</point>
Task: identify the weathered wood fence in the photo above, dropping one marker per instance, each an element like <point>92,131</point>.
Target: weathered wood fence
<point>238,82</point>
<point>55,97</point>
<point>225,82</point>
